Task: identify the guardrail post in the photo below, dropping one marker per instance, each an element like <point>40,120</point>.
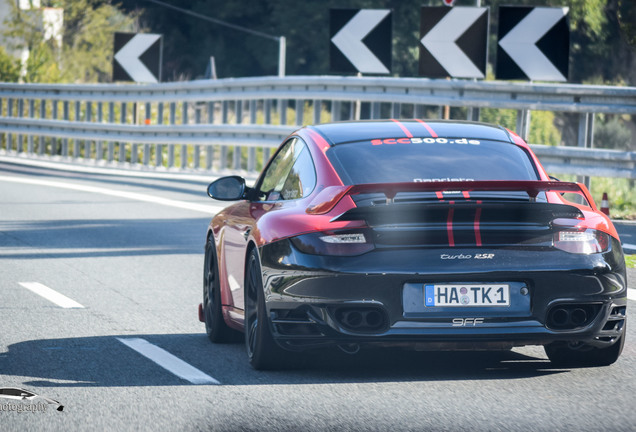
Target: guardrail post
<point>111,144</point>
<point>396,110</point>
<point>473,114</point>
<point>267,114</point>
<point>317,108</point>
<point>42,140</point>
<point>251,152</point>
<point>282,103</point>
<point>197,147</point>
<point>159,147</point>
<point>20,143</point>
<point>375,109</point>
<point>335,111</point>
<point>88,144</point>
<point>184,147</point>
<point>122,145</point>
<point>146,153</point>
<point>300,110</point>
<point>523,124</point>
<point>9,135</point>
<point>134,147</point>
<point>209,149</point>
<point>173,120</point>
<point>224,120</point>
<point>99,145</point>
<point>211,112</point>
<point>31,116</point>
<point>237,148</point>
<point>419,111</point>
<point>54,140</point>
<point>65,114</point>
<point>224,112</point>
<point>239,111</point>
<point>76,142</point>
<point>252,109</point>
<point>585,140</point>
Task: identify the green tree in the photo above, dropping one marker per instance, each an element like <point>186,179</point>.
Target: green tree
<point>9,67</point>
<point>87,42</point>
<point>611,132</point>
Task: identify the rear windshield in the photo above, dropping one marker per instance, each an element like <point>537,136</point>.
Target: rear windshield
<point>430,160</point>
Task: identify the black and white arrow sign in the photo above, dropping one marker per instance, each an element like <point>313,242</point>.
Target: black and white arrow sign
<point>534,43</point>
<point>454,42</point>
<point>137,57</point>
<point>360,40</point>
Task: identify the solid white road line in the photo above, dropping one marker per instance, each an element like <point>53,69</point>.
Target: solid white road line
<point>207,209</point>
<point>51,295</point>
<point>168,361</point>
<point>629,246</point>
<point>60,165</point>
<point>631,294</point>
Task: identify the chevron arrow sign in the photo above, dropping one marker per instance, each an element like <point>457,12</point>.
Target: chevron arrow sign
<point>137,57</point>
<point>534,43</point>
<point>454,42</point>
<point>360,41</point>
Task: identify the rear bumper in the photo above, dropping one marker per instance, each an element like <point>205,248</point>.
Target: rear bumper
<point>316,300</point>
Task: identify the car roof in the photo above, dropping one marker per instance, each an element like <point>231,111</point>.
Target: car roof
<point>353,131</point>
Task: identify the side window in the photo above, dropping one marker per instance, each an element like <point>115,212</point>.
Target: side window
<point>277,172</point>
<point>291,174</point>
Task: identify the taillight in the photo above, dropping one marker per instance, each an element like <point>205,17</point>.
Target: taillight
<point>347,243</point>
<point>581,241</point>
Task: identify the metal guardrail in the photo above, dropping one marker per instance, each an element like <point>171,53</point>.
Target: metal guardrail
<point>522,96</point>
<point>588,162</point>
<point>243,118</point>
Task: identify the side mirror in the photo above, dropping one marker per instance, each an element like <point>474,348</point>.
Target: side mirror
<point>231,188</point>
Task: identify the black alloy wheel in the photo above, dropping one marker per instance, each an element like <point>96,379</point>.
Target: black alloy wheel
<point>215,326</point>
<point>262,351</point>
<point>583,355</point>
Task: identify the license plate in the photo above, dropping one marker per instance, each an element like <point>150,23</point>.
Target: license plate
<point>466,295</point>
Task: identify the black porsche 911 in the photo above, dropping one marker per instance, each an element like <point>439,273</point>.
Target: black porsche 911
<point>429,235</point>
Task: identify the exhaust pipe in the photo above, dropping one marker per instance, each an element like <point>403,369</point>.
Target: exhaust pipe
<point>570,316</point>
<point>353,319</point>
<point>578,316</point>
<point>560,317</point>
<point>365,319</point>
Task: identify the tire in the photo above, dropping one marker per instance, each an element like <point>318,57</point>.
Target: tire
<point>263,352</point>
<point>215,326</point>
<point>584,355</point>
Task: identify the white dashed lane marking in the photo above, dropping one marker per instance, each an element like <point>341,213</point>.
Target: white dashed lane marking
<point>51,295</point>
<point>168,361</point>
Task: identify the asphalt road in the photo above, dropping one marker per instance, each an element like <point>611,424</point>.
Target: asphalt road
<point>129,252</point>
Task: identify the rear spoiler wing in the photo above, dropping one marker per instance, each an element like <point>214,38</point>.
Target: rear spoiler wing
<point>327,199</point>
